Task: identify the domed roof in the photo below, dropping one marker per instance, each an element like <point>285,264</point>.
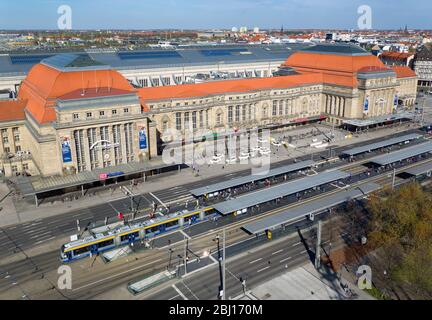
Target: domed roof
<point>44,84</point>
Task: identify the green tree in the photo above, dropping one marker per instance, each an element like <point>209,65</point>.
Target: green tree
<point>401,224</point>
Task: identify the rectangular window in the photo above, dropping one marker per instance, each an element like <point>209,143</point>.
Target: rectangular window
<point>7,150</point>
<point>274,110</point>
<point>194,120</point>
<point>178,121</point>
<point>244,113</point>
<point>5,140</point>
<point>126,110</point>
<point>114,111</point>
<point>201,118</point>
<point>281,107</point>
<point>230,114</point>
<point>17,137</point>
<point>237,114</point>
<point>14,169</point>
<point>102,113</point>
<point>75,116</point>
<point>186,120</point>
<point>25,166</point>
<point>89,115</point>
<point>17,148</point>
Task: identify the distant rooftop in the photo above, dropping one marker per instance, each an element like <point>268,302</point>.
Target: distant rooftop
<point>12,63</point>
<point>339,49</point>
<point>71,61</point>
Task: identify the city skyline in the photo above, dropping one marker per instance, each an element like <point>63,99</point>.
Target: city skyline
<point>193,14</point>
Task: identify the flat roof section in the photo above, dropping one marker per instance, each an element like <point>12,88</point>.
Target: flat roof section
<point>313,207</point>
<point>403,154</point>
<point>282,190</point>
<point>250,178</point>
<point>417,171</point>
<point>381,144</point>
<point>378,120</point>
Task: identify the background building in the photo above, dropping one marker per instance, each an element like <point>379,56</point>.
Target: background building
<point>75,114</point>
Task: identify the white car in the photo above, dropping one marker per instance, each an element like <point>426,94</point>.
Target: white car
<point>276,143</point>
<point>231,159</point>
<point>264,151</point>
<point>217,158</point>
<point>261,140</point>
<point>244,155</point>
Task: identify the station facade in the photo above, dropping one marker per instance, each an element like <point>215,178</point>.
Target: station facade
<point>74,114</point>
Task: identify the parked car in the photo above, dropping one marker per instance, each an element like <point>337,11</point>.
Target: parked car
<point>231,159</point>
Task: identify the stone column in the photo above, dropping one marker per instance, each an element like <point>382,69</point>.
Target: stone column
<point>86,149</point>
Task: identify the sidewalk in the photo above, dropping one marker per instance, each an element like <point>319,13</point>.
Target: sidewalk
<point>11,215</point>
<point>307,283</point>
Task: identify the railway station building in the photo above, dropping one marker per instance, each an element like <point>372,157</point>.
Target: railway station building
<point>74,114</point>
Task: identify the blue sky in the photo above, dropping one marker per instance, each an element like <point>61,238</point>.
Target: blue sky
<point>189,14</point>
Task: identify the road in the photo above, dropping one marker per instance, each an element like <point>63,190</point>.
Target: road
<point>20,237</point>
<point>255,266</point>
<point>92,283</point>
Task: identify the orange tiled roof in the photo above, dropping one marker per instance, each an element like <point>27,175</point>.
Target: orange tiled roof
<point>226,86</point>
<point>396,55</point>
<point>334,63</point>
<point>404,72</point>
<point>44,85</point>
<point>12,110</point>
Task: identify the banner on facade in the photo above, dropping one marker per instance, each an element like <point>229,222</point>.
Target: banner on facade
<point>142,138</point>
<point>395,101</point>
<point>366,105</point>
<point>66,150</point>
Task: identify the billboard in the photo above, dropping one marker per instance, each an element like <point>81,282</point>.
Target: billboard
<point>366,105</point>
<point>142,138</point>
<point>66,150</point>
<point>395,101</point>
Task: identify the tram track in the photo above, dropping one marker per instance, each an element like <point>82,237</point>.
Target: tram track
<point>118,273</point>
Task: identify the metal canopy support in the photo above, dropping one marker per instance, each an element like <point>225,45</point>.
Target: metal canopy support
<point>36,200</point>
<point>318,246</point>
<point>223,267</point>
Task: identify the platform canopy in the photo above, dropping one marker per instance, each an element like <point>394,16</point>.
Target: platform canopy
<point>402,154</point>
<point>281,190</point>
<point>381,144</point>
<point>314,207</point>
<point>224,185</point>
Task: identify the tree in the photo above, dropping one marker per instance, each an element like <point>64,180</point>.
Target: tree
<point>401,224</point>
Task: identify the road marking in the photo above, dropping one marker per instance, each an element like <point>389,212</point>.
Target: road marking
<point>283,260</point>
<point>179,292</point>
<point>40,235</point>
<point>258,271</point>
<point>115,275</point>
<point>44,240</point>
<point>190,290</point>
<point>159,200</point>
<point>185,234</point>
<point>255,260</point>
<point>296,244</point>
<point>174,297</point>
<point>276,252</point>
<point>304,251</point>
<point>213,258</point>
